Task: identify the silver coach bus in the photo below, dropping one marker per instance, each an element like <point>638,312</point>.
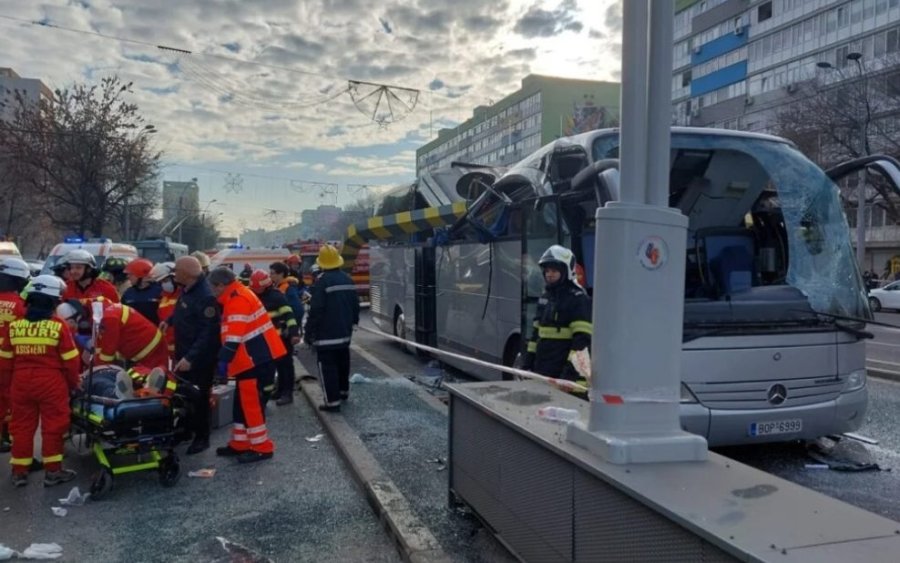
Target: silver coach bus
<point>775,307</point>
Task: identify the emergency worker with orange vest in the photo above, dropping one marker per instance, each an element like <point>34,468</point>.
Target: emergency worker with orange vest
<point>164,274</point>
<point>283,318</point>
<point>14,276</point>
<point>39,351</point>
<point>250,346</point>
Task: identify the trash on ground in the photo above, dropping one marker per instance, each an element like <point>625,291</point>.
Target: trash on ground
<point>239,552</point>
<point>847,465</point>
<point>863,439</point>
<point>6,509</point>
<point>205,473</point>
<point>359,378</point>
<point>58,511</point>
<point>315,438</point>
<point>75,498</point>
<point>438,460</point>
<point>6,553</point>
<point>42,551</point>
<point>558,414</point>
<point>442,467</point>
<point>816,466</point>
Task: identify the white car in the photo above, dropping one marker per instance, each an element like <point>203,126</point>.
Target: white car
<point>887,297</point>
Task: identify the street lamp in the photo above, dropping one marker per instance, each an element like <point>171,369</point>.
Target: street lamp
<point>863,122</point>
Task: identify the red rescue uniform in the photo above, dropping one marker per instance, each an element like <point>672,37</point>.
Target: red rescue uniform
<point>94,290</point>
<point>126,334</point>
<point>44,364</point>
<point>166,308</point>
<point>250,345</point>
<point>11,308</point>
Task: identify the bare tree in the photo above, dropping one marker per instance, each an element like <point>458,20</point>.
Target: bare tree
<point>846,113</point>
<point>86,152</point>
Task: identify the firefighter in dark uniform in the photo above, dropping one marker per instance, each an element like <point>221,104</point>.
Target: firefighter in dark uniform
<point>196,321</point>
<point>333,312</point>
<point>282,316</point>
<point>562,325</point>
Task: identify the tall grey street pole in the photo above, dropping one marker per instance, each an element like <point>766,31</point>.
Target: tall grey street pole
<point>641,255</point>
<point>861,182</point>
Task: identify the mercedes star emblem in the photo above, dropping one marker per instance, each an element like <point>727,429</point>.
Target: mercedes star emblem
<point>777,394</point>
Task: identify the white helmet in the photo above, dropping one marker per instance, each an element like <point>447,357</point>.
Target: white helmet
<point>162,271</point>
<point>563,258</point>
<point>15,268</point>
<point>80,256</point>
<point>48,285</point>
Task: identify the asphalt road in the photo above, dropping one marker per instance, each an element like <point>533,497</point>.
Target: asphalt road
<point>876,491</point>
<point>302,505</point>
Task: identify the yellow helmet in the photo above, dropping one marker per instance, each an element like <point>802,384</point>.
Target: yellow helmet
<point>201,257</point>
<point>329,258</point>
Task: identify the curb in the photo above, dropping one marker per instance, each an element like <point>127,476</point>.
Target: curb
<point>880,373</point>
<point>414,541</point>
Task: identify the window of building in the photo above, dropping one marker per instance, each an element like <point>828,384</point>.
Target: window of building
<point>893,40</point>
<point>868,9</point>
<point>764,12</point>
<point>686,79</point>
<point>880,45</point>
<point>856,11</point>
<point>840,56</point>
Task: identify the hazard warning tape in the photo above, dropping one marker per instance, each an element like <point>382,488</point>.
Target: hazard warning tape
<point>398,225</point>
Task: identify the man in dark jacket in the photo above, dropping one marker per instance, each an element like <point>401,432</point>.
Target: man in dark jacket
<point>562,325</point>
<point>196,320</point>
<point>333,312</point>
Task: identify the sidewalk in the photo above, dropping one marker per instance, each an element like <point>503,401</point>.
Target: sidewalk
<point>407,438</point>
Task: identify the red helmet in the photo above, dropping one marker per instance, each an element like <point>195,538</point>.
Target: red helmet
<point>139,268</point>
<point>292,260</point>
<point>259,281</point>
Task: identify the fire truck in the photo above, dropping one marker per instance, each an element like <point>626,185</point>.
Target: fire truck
<point>308,250</point>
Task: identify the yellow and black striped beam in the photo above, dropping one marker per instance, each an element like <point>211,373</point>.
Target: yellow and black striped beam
<point>398,224</point>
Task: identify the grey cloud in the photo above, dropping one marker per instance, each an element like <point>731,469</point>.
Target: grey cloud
<point>481,23</point>
<point>538,22</point>
<point>411,20</point>
<point>613,17</point>
<point>522,53</point>
<point>596,34</point>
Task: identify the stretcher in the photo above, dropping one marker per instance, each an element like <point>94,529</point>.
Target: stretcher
<point>131,434</point>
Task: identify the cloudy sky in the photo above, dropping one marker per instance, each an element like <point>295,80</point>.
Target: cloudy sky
<point>260,111</point>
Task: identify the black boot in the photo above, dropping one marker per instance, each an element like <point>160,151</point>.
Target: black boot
<point>198,445</point>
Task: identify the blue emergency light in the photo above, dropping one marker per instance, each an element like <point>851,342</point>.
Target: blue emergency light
<point>73,240</point>
<point>236,246</point>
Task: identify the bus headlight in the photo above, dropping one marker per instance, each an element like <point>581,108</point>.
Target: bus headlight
<point>856,380</point>
<point>686,396</point>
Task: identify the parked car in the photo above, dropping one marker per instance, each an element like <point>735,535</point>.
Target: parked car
<point>887,297</point>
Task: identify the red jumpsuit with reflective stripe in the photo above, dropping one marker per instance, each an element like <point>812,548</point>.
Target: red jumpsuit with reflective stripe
<point>11,308</point>
<point>127,334</point>
<point>250,344</point>
<point>97,288</point>
<point>166,308</point>
<point>44,364</point>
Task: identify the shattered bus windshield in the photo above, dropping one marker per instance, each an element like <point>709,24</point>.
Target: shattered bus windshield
<point>764,221</point>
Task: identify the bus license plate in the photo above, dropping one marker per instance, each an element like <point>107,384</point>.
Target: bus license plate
<point>776,427</point>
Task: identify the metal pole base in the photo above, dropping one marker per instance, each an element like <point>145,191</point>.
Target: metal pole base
<point>639,447</point>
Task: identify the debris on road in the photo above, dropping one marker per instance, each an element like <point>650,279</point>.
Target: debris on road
<point>816,466</point>
<point>858,438</point>
<point>359,378</point>
<point>75,498</point>
<point>206,473</point>
<point>315,438</point>
<point>57,511</point>
<point>42,551</point>
<point>238,552</point>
